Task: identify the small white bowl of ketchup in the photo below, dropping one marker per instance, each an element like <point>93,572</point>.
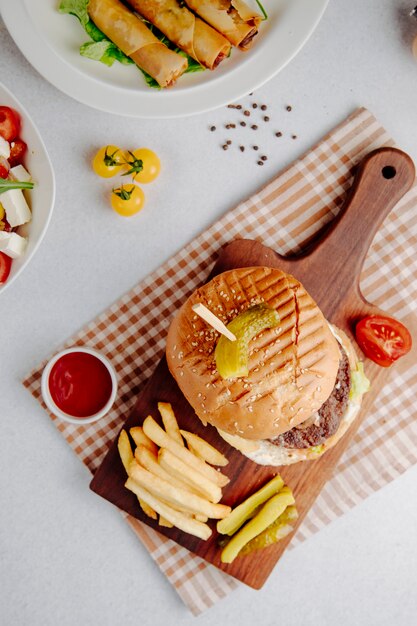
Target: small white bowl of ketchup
<point>79,385</point>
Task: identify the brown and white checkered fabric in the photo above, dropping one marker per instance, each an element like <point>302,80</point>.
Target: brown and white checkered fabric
<point>284,215</point>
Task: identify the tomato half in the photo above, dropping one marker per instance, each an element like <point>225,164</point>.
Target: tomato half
<point>127,200</point>
<point>143,165</point>
<point>5,265</point>
<point>9,123</point>
<point>383,339</point>
<point>18,149</point>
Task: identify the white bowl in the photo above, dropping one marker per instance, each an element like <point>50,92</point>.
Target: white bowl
<point>55,410</point>
<point>41,198</point>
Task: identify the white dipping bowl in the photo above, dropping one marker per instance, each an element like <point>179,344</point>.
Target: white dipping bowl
<point>55,410</point>
<point>42,197</point>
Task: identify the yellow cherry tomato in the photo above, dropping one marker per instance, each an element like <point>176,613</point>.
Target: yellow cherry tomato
<point>127,200</point>
<point>108,161</point>
<point>143,165</point>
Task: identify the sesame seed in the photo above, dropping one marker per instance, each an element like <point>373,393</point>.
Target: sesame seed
<point>266,118</point>
<point>264,158</point>
<point>212,128</point>
<point>246,113</point>
<point>242,148</point>
<point>293,136</point>
<point>225,147</point>
<point>254,127</point>
<point>264,107</point>
<point>243,123</point>
<point>228,142</point>
<point>278,134</point>
<point>255,147</point>
<point>254,105</point>
<point>260,162</point>
<point>289,108</point>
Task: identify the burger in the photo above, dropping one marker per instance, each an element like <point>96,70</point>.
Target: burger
<point>290,386</point>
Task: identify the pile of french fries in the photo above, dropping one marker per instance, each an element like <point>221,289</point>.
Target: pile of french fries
<point>172,481</point>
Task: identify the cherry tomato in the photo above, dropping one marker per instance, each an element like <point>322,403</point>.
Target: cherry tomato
<point>127,200</point>
<point>9,123</point>
<point>108,161</point>
<point>143,165</point>
<point>5,265</point>
<point>18,149</point>
<point>383,339</point>
<point>4,167</point>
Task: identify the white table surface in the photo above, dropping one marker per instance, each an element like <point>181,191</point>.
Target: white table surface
<point>66,557</point>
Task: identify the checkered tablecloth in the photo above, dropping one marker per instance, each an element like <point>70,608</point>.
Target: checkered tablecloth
<point>283,215</point>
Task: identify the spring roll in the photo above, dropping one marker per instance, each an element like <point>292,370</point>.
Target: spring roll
<point>188,32</point>
<point>233,18</point>
<point>135,39</point>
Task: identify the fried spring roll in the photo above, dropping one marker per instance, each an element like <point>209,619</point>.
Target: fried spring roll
<point>233,18</point>
<point>135,39</point>
<point>188,32</point>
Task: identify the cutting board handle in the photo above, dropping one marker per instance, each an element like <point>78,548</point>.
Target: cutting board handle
<point>381,180</point>
<point>333,261</point>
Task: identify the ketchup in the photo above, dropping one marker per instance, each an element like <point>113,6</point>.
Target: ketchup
<point>80,384</point>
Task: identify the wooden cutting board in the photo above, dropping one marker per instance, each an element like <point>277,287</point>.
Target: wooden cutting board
<point>330,271</point>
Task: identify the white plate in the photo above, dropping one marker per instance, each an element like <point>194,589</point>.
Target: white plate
<point>41,197</point>
<point>50,41</point>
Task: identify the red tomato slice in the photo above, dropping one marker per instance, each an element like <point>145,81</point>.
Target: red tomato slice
<point>9,123</point>
<point>383,339</point>
<point>18,150</point>
<point>5,265</point>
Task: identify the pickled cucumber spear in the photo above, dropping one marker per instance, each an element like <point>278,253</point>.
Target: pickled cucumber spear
<point>271,510</point>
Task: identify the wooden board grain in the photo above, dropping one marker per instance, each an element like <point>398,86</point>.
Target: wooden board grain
<point>330,271</point>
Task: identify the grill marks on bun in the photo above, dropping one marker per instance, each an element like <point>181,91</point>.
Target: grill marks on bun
<point>292,368</point>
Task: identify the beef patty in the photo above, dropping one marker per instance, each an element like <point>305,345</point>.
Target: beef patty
<point>328,417</point>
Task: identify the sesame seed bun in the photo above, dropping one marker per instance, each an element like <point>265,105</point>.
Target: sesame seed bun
<point>292,368</point>
<point>264,452</point>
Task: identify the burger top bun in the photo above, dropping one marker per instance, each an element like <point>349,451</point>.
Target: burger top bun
<point>292,368</point>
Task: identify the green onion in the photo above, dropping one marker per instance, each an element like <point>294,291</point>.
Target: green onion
<point>6,185</point>
<point>265,14</point>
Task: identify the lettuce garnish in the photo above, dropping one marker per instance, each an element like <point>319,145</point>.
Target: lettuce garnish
<point>359,382</point>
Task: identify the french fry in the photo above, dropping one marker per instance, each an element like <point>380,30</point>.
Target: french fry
<point>146,459</point>
<point>126,455</point>
<point>164,522</point>
<point>141,439</point>
<point>173,495</point>
<point>195,452</point>
<point>163,440</point>
<point>170,421</point>
<point>125,450</point>
<point>187,524</point>
<point>177,468</point>
<point>148,510</point>
<point>205,450</point>
<point>201,518</point>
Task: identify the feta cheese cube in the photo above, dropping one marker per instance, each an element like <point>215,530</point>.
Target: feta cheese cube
<point>12,244</point>
<point>4,148</point>
<point>16,207</point>
<point>18,172</point>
